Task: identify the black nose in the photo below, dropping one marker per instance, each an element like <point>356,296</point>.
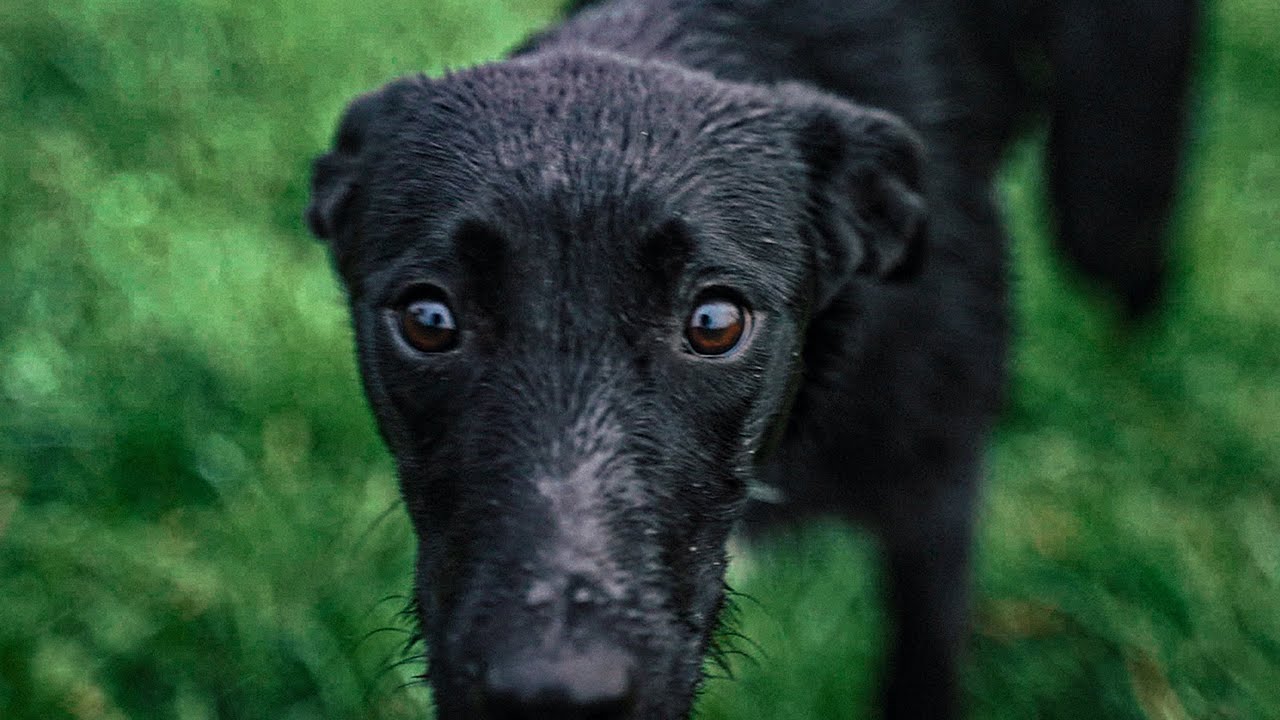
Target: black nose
<point>596,684</point>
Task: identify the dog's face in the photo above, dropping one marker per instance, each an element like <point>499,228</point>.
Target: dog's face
<point>581,287</point>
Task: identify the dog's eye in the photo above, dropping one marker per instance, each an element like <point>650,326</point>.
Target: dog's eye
<point>428,325</point>
<point>716,327</point>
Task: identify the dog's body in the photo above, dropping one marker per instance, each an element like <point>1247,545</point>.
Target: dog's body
<point>544,256</point>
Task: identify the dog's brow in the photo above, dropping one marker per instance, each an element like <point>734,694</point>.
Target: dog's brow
<point>479,246</point>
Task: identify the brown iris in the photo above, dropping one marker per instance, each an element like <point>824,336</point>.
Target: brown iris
<point>428,325</point>
<point>716,327</point>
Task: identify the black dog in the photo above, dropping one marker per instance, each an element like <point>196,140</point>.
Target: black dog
<point>660,258</point>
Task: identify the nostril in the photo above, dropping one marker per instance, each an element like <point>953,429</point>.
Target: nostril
<point>592,685</point>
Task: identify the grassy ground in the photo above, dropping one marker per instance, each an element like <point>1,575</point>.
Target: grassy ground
<point>197,520</point>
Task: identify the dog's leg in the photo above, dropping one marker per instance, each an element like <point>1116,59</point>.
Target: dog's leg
<point>926,539</point>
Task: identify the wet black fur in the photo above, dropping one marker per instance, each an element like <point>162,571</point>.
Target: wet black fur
<point>571,468</point>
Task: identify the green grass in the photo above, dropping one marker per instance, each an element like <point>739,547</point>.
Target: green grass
<point>197,519</point>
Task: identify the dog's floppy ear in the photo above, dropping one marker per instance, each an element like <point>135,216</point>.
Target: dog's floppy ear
<point>336,176</point>
<point>866,204</point>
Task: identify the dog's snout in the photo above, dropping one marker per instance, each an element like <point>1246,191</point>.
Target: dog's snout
<point>596,684</point>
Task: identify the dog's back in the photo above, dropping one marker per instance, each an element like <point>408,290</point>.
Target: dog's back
<point>1111,78</point>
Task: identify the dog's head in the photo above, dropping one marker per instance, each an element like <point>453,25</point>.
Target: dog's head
<point>581,287</point>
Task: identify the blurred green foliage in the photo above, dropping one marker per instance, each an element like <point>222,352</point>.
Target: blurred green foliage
<point>197,519</point>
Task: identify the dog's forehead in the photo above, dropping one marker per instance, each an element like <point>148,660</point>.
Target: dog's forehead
<point>540,98</point>
<point>589,157</point>
<point>587,125</point>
